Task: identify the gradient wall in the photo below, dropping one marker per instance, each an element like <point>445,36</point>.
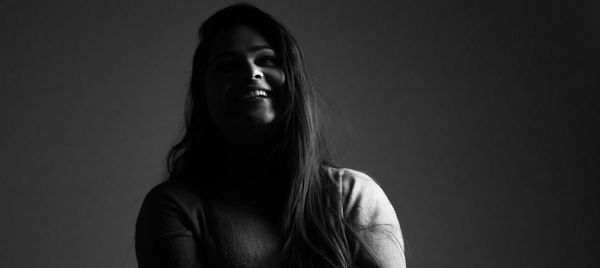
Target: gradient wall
<point>478,118</point>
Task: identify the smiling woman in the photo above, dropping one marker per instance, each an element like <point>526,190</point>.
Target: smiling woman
<point>250,183</point>
<point>242,80</point>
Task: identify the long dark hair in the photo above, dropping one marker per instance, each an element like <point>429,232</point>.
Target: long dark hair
<point>316,233</point>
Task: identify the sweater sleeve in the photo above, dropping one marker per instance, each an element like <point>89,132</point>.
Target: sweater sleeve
<point>374,220</point>
<point>164,237</point>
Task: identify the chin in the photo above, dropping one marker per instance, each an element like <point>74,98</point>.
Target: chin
<point>251,118</point>
<point>259,120</point>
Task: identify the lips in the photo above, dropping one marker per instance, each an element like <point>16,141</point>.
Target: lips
<point>249,93</point>
<point>258,93</point>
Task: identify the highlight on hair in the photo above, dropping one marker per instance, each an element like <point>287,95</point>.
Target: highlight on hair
<point>316,233</point>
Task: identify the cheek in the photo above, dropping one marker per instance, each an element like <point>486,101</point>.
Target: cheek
<point>215,89</point>
<point>275,78</point>
<point>214,92</point>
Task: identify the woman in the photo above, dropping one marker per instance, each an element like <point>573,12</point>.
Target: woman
<point>250,184</point>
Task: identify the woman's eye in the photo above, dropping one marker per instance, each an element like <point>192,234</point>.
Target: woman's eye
<point>223,69</point>
<point>268,61</point>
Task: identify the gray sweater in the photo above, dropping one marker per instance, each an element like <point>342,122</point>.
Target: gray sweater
<point>178,227</point>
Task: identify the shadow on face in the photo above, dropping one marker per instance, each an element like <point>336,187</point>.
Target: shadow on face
<point>243,81</point>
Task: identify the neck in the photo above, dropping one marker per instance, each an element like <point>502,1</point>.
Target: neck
<point>251,161</point>
<point>253,177</point>
<point>251,150</point>
<point>252,156</point>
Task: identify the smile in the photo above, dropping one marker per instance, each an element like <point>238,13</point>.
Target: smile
<point>257,93</point>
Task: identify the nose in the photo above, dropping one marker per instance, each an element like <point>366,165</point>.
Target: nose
<point>257,73</point>
<point>252,72</point>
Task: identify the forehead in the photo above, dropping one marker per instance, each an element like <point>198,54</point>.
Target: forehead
<point>237,39</point>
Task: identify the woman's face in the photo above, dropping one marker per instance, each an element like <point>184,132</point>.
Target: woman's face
<point>243,80</point>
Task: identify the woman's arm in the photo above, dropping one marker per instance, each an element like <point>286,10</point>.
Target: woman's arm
<point>162,239</point>
<point>385,248</point>
<point>375,220</point>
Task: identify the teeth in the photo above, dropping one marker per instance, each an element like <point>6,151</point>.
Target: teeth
<point>254,93</point>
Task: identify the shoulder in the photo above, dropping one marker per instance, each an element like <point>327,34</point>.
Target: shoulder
<point>169,222</point>
<point>171,192</point>
<point>364,201</point>
<point>171,199</point>
<point>355,184</point>
<point>368,209</point>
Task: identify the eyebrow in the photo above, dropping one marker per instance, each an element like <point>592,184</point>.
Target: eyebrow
<point>252,49</point>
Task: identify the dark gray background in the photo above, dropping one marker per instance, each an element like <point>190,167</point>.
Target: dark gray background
<point>478,118</point>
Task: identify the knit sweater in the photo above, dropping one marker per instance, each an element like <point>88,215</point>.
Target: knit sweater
<point>179,227</point>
